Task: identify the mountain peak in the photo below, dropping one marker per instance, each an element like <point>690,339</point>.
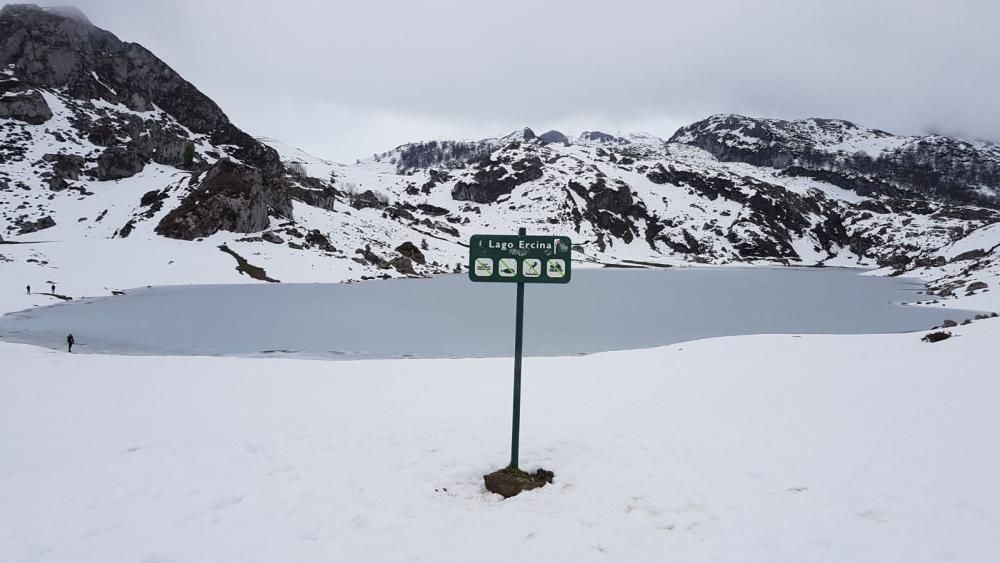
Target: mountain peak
<point>552,136</point>
<point>23,11</point>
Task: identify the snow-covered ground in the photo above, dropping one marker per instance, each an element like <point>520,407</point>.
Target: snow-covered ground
<point>763,448</point>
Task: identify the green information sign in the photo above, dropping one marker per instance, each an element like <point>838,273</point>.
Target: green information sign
<point>519,259</point>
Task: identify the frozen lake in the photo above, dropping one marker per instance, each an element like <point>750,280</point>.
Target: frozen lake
<point>449,316</point>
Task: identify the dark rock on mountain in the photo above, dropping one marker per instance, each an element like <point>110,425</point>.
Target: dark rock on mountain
<point>403,265</point>
<point>410,250</point>
<point>150,197</point>
<point>50,50</point>
<point>272,237</point>
<point>493,179</point>
<point>368,199</point>
<point>28,106</point>
<point>869,161</point>
<point>102,135</point>
<point>316,239</point>
<point>552,136</point>
<point>612,209</point>
<point>369,257</point>
<point>60,50</point>
<point>125,230</point>
<point>315,193</point>
<point>976,286</point>
<point>600,137</point>
<point>930,262</point>
<point>26,227</point>
<point>232,197</point>
<point>153,202</point>
<point>936,336</point>
<point>116,163</point>
<point>849,181</point>
<point>970,255</point>
<point>444,154</point>
<point>66,166</point>
<point>432,210</point>
<point>398,212</point>
<point>525,134</point>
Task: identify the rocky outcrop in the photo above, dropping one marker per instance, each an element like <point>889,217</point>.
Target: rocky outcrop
<point>116,163</point>
<point>933,166</point>
<point>612,209</point>
<point>368,199</point>
<point>403,265</point>
<point>410,250</point>
<point>444,154</point>
<point>25,226</point>
<point>28,106</point>
<point>316,239</point>
<point>552,136</point>
<point>232,197</point>
<point>57,49</point>
<point>49,49</point>
<point>601,137</point>
<point>66,166</point>
<point>493,179</point>
<point>367,256</point>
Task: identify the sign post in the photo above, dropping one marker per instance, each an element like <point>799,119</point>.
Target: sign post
<point>519,259</point>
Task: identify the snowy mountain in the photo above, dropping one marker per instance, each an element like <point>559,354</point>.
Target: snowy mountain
<point>108,152</point>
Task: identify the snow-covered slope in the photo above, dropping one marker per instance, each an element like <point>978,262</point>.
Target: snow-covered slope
<point>109,180</point>
<point>775,448</point>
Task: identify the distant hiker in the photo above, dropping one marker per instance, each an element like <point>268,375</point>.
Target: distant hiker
<point>53,288</point>
<point>69,342</point>
<point>28,287</point>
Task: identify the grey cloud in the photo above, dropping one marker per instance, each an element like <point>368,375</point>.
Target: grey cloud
<point>345,79</point>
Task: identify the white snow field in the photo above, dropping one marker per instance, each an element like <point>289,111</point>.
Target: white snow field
<point>770,449</point>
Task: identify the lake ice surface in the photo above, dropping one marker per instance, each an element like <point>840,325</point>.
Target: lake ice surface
<point>449,316</point>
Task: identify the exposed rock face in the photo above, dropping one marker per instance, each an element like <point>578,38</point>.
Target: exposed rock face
<point>315,194</point>
<point>611,209</point>
<point>116,163</point>
<point>410,250</point>
<point>403,265</point>
<point>66,166</point>
<point>318,240</point>
<point>552,136</point>
<point>970,255</point>
<point>272,238</point>
<point>432,210</point>
<point>146,116</point>
<point>445,154</point>
<point>368,199</point>
<point>493,180</point>
<point>28,106</point>
<point>49,49</point>
<point>601,137</point>
<point>26,227</point>
<point>525,134</point>
<point>869,161</point>
<point>369,257</point>
<point>232,197</point>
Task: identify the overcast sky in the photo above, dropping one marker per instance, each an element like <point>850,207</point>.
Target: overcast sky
<point>344,79</point>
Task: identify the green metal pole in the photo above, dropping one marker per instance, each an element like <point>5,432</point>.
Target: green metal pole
<point>518,340</point>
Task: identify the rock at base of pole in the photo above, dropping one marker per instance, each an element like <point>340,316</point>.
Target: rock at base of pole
<point>508,482</point>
